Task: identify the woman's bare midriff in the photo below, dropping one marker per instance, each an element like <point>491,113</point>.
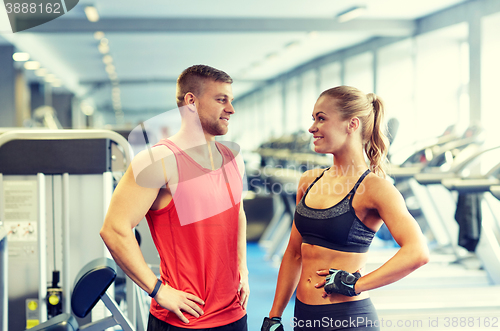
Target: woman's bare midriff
<point>316,258</point>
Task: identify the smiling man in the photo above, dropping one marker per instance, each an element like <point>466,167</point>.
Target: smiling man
<point>189,187</point>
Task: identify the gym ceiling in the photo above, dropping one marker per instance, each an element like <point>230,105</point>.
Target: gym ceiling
<point>150,42</point>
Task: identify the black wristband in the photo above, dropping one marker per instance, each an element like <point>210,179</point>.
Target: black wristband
<point>157,287</point>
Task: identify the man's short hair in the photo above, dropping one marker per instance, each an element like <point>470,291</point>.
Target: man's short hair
<point>193,78</point>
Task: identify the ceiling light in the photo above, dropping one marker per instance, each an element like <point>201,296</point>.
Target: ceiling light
<point>351,14</point>
<point>116,90</point>
<point>32,65</point>
<point>110,68</point>
<point>103,48</point>
<point>105,41</point>
<point>113,76</point>
<point>107,59</point>
<point>57,83</point>
<point>92,14</point>
<point>98,35</point>
<point>21,57</point>
<point>41,72</point>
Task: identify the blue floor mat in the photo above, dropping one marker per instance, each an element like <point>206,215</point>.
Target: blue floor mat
<point>262,278</point>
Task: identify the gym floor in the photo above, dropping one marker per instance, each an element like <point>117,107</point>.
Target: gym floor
<point>441,289</point>
<point>441,292</point>
<point>262,278</point>
<point>263,275</point>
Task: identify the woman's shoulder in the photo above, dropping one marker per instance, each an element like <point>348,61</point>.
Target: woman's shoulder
<point>374,182</point>
<point>377,187</point>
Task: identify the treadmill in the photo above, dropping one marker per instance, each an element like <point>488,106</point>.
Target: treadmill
<point>442,159</point>
<point>488,247</point>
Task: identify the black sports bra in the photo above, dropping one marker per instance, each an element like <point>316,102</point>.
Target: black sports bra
<point>336,227</point>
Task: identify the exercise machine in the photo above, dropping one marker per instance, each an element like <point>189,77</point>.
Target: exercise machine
<point>488,247</point>
<point>445,158</point>
<point>283,187</point>
<point>91,285</point>
<point>439,157</point>
<point>3,279</point>
<point>48,180</point>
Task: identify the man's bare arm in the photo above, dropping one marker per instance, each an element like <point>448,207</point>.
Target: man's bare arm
<point>129,203</point>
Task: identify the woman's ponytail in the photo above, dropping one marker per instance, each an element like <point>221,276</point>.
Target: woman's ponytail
<point>377,144</point>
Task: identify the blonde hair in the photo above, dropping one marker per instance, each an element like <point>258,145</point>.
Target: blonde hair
<point>369,109</point>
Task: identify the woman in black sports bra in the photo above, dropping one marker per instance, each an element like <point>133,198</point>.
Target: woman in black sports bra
<point>339,209</point>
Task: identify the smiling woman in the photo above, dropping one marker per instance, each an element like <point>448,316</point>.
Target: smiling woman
<point>338,212</point>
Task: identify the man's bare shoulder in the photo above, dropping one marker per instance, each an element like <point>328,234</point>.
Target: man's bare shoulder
<point>153,166</point>
<point>233,147</point>
<point>235,150</point>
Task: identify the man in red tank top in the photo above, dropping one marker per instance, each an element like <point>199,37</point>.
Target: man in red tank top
<point>190,189</point>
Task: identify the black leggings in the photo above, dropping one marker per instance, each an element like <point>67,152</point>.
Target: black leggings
<point>155,324</point>
<point>353,315</point>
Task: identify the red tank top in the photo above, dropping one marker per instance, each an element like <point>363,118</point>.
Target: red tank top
<point>196,236</point>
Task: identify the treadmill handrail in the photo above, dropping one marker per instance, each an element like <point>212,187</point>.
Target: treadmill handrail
<point>482,183</point>
<point>420,146</point>
<point>495,190</point>
<point>451,146</point>
<point>433,175</point>
<point>470,185</point>
<point>68,135</point>
<point>458,143</point>
<point>456,169</point>
<point>493,171</point>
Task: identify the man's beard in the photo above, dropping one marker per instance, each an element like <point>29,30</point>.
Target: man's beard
<point>213,127</point>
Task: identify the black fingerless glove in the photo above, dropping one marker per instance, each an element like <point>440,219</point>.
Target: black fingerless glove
<point>342,282</point>
<point>272,324</point>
